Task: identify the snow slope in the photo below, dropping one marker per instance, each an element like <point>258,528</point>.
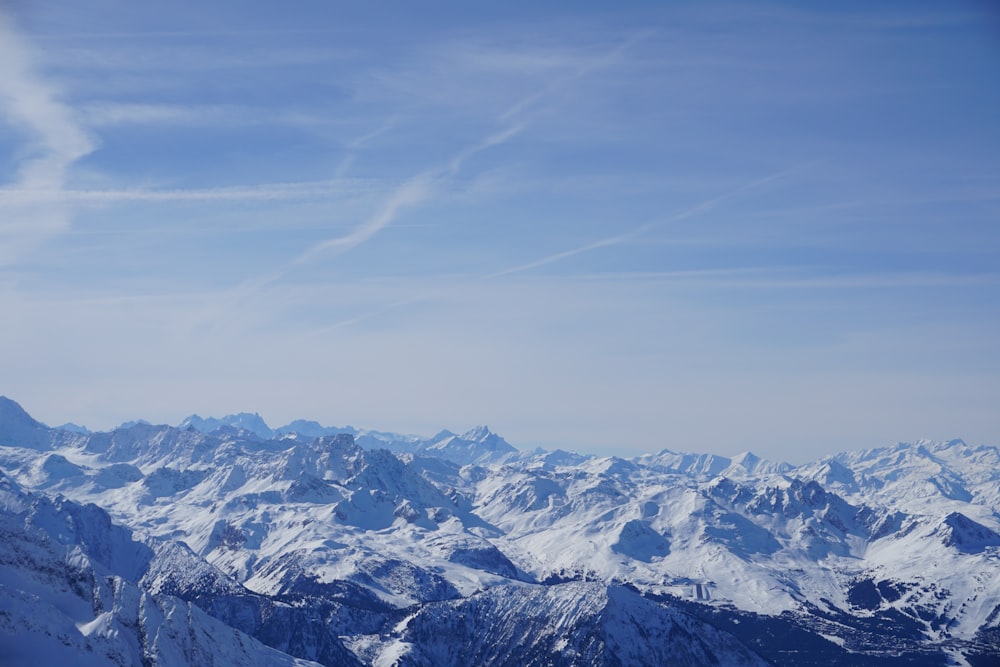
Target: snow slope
<point>458,548</point>
<point>69,594</point>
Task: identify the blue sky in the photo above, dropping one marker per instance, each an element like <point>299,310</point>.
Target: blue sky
<point>608,228</point>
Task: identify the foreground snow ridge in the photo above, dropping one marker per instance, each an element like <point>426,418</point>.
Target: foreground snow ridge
<point>226,542</point>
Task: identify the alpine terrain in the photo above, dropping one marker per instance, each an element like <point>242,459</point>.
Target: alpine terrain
<point>227,542</point>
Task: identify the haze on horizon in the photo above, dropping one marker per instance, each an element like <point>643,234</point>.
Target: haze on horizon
<point>701,226</point>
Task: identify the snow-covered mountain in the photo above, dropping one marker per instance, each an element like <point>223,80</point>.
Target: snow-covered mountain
<point>246,421</point>
<point>73,591</point>
<point>333,545</point>
<point>477,445</point>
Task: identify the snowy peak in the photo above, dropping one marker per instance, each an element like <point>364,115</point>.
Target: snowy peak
<point>74,428</point>
<point>835,475</point>
<point>959,531</point>
<point>11,413</point>
<point>488,440</point>
<point>558,457</point>
<point>311,429</point>
<point>479,434</point>
<point>395,550</point>
<point>711,465</point>
<point>246,421</point>
<point>698,465</point>
<point>19,429</point>
<point>750,463</point>
<point>477,445</point>
<point>917,477</point>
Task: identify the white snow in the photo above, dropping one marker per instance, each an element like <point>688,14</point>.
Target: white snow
<point>273,514</point>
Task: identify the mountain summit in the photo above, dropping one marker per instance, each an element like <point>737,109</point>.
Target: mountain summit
<point>232,548</point>
<point>246,421</point>
<point>18,428</point>
<point>477,445</point>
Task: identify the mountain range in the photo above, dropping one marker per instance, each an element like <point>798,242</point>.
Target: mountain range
<point>224,542</point>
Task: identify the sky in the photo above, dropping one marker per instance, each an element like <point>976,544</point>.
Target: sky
<point>606,227</point>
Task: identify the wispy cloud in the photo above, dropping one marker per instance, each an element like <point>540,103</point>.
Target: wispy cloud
<point>795,277</point>
<point>13,196</point>
<point>386,216</point>
<point>194,58</point>
<point>492,140</point>
<point>109,114</point>
<point>118,113</point>
<point>358,142</point>
<point>51,131</point>
<point>354,145</point>
<point>410,193</point>
<point>645,227</point>
<point>579,72</point>
<point>417,189</point>
<point>867,281</point>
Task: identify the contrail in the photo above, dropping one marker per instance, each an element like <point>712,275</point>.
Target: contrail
<point>641,229</point>
<point>409,193</point>
<point>419,188</point>
<point>594,245</point>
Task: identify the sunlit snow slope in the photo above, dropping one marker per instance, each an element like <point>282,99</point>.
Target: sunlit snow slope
<point>223,542</point>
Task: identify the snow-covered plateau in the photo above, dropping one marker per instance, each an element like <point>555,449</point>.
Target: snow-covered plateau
<point>226,542</point>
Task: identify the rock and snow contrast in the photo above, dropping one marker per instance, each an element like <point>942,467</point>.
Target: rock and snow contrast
<point>226,542</point>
